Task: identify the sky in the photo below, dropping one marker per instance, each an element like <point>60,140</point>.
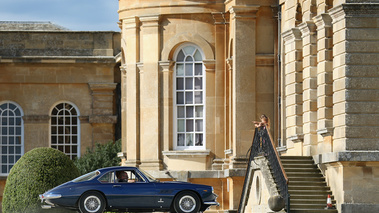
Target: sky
<point>78,15</point>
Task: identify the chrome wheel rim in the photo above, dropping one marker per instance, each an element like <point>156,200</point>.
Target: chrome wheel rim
<point>92,204</point>
<point>187,203</point>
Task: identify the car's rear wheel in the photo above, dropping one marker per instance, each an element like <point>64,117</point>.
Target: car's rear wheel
<point>92,202</point>
<point>187,202</point>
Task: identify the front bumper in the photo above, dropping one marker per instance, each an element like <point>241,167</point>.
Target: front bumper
<point>45,200</point>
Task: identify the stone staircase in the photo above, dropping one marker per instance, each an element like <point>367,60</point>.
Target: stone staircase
<point>307,186</point>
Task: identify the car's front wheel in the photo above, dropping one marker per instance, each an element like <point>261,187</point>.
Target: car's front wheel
<point>92,202</point>
<point>187,202</point>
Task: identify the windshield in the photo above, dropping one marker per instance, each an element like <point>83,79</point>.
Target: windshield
<point>149,177</point>
<point>86,177</point>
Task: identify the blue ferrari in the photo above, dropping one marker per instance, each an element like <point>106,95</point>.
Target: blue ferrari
<point>128,189</point>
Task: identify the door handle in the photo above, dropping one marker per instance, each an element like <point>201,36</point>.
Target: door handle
<point>114,186</point>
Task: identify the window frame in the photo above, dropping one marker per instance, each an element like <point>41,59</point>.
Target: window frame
<point>2,174</point>
<point>78,126</point>
<point>175,105</point>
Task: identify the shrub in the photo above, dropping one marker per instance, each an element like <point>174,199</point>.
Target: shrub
<point>34,173</point>
<point>104,155</point>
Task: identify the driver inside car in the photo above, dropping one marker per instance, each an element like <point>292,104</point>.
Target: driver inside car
<point>122,177</point>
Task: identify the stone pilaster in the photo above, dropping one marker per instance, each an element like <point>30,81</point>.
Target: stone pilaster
<point>131,27</point>
<point>149,94</point>
<point>167,69</point>
<point>355,76</point>
<point>293,74</point>
<point>324,81</point>
<point>309,37</point>
<point>244,81</point>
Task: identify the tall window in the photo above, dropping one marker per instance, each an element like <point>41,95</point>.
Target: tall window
<point>189,105</point>
<point>65,128</point>
<point>12,140</point>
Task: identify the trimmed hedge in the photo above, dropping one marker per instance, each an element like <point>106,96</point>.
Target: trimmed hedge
<point>34,173</point>
<point>104,155</point>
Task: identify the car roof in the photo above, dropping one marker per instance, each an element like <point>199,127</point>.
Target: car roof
<point>102,170</point>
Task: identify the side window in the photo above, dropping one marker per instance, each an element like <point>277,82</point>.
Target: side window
<point>108,178</point>
<point>128,176</point>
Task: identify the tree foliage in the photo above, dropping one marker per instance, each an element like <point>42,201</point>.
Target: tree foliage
<point>34,173</point>
<point>103,155</point>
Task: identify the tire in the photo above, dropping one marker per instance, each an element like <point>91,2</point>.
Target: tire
<point>91,202</point>
<point>187,202</point>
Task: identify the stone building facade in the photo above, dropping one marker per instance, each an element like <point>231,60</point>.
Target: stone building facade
<point>195,74</point>
<point>57,89</point>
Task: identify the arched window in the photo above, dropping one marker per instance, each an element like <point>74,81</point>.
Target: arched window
<point>11,131</point>
<point>65,129</point>
<point>189,104</point>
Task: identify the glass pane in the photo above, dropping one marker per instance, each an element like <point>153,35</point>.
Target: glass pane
<point>11,140</point>
<point>74,139</point>
<point>60,120</point>
<point>199,125</point>
<point>18,130</point>
<point>18,140</point>
<point>198,83</point>
<point>198,97</point>
<point>60,130</point>
<point>180,70</point>
<point>54,120</point>
<point>60,148</point>
<point>199,140</point>
<point>60,139</point>
<point>4,121</point>
<point>189,50</point>
<point>74,130</point>
<point>199,111</point>
<point>18,157</point>
<point>181,126</point>
<point>53,140</point>
<point>12,121</point>
<point>4,140</point>
<point>4,169</point>
<point>189,112</point>
<point>55,111</point>
<point>11,159</point>
<point>74,150</point>
<point>53,130</point>
<point>18,149</point>
<point>67,149</point>
<point>181,112</point>
<point>189,125</point>
<point>17,112</point>
<point>189,59</point>
<point>3,106</point>
<point>18,121</point>
<point>189,69</point>
<point>180,141</point>
<point>4,131</point>
<point>4,159</point>
<point>198,69</point>
<point>11,130</point>
<point>12,107</point>
<point>74,120</point>
<point>189,140</point>
<point>180,98</point>
<point>4,150</point>
<point>180,56</point>
<point>189,83</point>
<point>68,120</point>
<point>180,84</point>
<point>198,56</point>
<point>189,97</point>
<point>73,111</point>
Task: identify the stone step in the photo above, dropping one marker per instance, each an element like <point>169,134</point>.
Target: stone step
<point>313,179</point>
<point>298,166</point>
<point>285,157</point>
<point>293,161</point>
<point>307,183</point>
<point>303,174</point>
<point>308,206</point>
<point>310,201</point>
<point>301,170</point>
<point>309,192</point>
<point>314,211</point>
<point>307,187</point>
<point>310,197</point>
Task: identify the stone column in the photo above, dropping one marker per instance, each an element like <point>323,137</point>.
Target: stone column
<point>166,99</point>
<point>324,82</point>
<point>132,144</point>
<point>102,118</point>
<point>244,81</point>
<point>149,95</point>
<point>293,74</point>
<point>309,37</point>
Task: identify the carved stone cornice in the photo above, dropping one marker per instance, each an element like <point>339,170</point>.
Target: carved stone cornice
<point>219,18</point>
<point>123,69</point>
<point>140,67</point>
<point>354,10</point>
<point>167,66</point>
<point>209,65</point>
<point>102,88</point>
<point>323,21</point>
<point>36,118</point>
<point>307,28</point>
<point>130,23</point>
<point>150,21</point>
<point>291,35</point>
<point>244,11</point>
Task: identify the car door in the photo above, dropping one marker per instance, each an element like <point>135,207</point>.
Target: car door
<point>136,193</point>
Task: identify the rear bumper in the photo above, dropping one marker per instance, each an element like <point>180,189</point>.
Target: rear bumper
<point>212,203</point>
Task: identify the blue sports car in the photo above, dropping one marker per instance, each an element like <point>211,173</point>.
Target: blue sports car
<point>128,189</point>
